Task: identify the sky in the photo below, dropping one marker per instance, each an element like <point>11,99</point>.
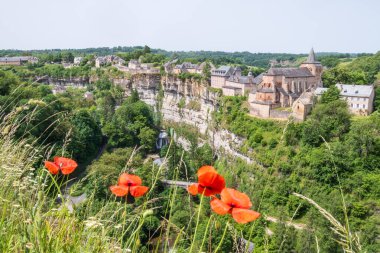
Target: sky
<point>289,26</point>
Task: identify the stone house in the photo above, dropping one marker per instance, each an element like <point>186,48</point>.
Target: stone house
<point>281,87</point>
<point>135,67</point>
<point>134,64</point>
<point>303,105</point>
<point>109,59</point>
<point>186,67</point>
<point>220,75</point>
<point>78,60</point>
<point>241,85</point>
<point>359,98</point>
<point>18,60</point>
<point>168,66</point>
<point>231,81</point>
<point>99,61</point>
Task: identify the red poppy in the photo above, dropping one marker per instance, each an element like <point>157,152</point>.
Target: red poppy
<point>209,182</point>
<point>130,186</point>
<point>65,165</point>
<point>235,203</point>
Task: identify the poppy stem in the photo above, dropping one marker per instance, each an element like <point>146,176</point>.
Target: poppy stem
<point>205,234</point>
<point>221,241</point>
<point>196,226</point>
<point>56,184</point>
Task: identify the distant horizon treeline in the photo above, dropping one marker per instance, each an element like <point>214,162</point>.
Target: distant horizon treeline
<point>217,57</point>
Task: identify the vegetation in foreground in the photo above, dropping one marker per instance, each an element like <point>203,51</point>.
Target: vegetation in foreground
<point>108,136</point>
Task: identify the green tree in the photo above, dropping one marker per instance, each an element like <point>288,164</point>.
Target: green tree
<point>147,50</point>
<point>328,121</point>
<point>106,107</point>
<point>330,95</point>
<point>103,84</point>
<point>127,123</point>
<point>147,137</point>
<point>86,135</point>
<point>8,81</point>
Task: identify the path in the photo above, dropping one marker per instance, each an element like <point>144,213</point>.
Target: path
<point>69,201</point>
<point>299,226</point>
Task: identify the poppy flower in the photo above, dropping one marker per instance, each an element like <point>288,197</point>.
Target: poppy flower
<point>129,186</point>
<point>65,165</point>
<point>209,182</point>
<point>235,203</point>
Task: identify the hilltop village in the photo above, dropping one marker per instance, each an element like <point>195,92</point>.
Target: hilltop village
<point>277,93</point>
<point>271,124</point>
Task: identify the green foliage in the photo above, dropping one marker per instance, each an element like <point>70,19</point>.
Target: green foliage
<point>332,94</point>
<point>345,75</point>
<point>105,171</point>
<point>362,70</point>
<point>190,76</point>
<point>326,121</point>
<point>103,84</point>
<point>132,124</point>
<point>87,135</point>
<point>331,61</point>
<point>181,103</point>
<point>148,137</point>
<point>8,81</point>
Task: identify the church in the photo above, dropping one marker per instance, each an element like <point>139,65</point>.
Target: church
<point>282,87</point>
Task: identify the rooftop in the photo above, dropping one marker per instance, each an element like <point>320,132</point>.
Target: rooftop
<point>222,71</point>
<point>354,90</point>
<point>311,58</point>
<point>16,58</point>
<point>320,90</point>
<point>258,79</point>
<point>289,72</point>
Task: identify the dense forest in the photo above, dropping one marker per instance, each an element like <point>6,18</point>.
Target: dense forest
<point>217,57</point>
<point>332,158</point>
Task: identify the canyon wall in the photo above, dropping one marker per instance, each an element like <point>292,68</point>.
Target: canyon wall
<point>187,101</point>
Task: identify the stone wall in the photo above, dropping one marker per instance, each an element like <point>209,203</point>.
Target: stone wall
<point>277,114</point>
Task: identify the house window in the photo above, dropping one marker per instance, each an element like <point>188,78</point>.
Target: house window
<point>357,105</point>
<point>352,105</point>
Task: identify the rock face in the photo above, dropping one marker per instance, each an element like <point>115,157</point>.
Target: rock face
<point>74,82</point>
<point>185,101</point>
<point>188,101</point>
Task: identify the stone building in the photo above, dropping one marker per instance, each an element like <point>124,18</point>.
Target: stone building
<point>231,81</point>
<point>169,66</point>
<point>78,60</point>
<point>220,75</point>
<point>17,60</point>
<point>359,98</point>
<point>303,105</point>
<point>238,85</point>
<point>109,59</point>
<point>134,64</point>
<point>136,67</point>
<point>281,87</point>
<point>187,67</point>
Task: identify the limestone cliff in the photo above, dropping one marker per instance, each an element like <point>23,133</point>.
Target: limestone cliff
<point>187,101</point>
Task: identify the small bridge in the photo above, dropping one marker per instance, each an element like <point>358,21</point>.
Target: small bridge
<point>181,184</point>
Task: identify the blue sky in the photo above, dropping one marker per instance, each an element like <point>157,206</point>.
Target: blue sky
<point>234,25</point>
